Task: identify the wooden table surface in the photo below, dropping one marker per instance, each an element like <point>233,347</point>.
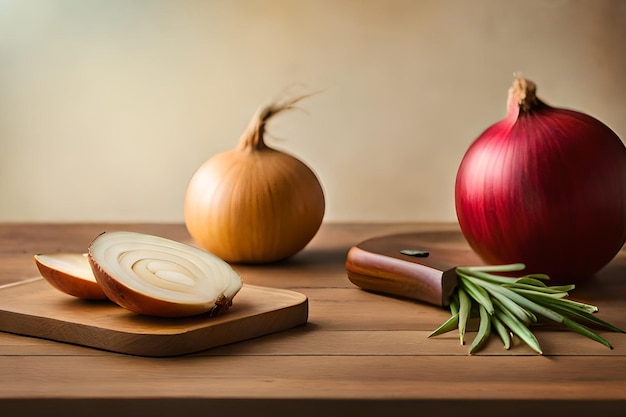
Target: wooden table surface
<point>359,354</point>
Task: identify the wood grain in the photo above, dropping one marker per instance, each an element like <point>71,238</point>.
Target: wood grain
<point>360,353</point>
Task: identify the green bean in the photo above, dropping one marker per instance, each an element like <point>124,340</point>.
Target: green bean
<point>495,268</point>
<point>518,328</point>
<point>523,302</point>
<point>510,305</point>
<point>449,325</point>
<point>465,305</point>
<point>520,313</point>
<point>496,279</point>
<point>484,329</point>
<point>531,281</point>
<point>553,315</point>
<point>502,307</point>
<point>454,304</point>
<point>572,325</point>
<point>566,302</point>
<point>586,317</point>
<point>502,331</point>
<point>477,292</point>
<point>581,306</point>
<point>536,293</point>
<point>564,288</point>
<point>544,290</point>
<point>540,277</point>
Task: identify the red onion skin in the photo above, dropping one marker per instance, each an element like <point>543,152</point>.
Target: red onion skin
<point>545,187</point>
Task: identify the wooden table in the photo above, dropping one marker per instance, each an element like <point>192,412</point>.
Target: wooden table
<point>360,353</point>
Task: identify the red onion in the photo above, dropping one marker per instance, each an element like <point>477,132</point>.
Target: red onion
<point>546,187</point>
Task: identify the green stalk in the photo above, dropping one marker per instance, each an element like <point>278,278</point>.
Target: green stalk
<point>554,316</point>
<point>518,328</point>
<point>478,293</point>
<point>572,325</point>
<point>531,281</point>
<point>502,331</point>
<point>589,318</point>
<point>449,325</point>
<point>533,288</point>
<point>454,304</point>
<point>484,329</point>
<point>540,277</point>
<point>522,301</point>
<point>484,276</point>
<point>495,268</point>
<point>509,305</point>
<point>537,293</point>
<point>587,308</point>
<point>498,294</point>
<point>465,306</point>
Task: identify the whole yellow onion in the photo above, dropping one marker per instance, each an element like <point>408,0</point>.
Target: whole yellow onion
<point>254,204</point>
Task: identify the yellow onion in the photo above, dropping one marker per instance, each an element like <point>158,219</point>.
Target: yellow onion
<point>70,273</point>
<point>155,276</point>
<point>254,204</point>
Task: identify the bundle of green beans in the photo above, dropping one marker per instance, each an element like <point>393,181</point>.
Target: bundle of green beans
<point>510,305</point>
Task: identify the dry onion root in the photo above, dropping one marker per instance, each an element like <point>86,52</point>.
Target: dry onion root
<point>155,276</point>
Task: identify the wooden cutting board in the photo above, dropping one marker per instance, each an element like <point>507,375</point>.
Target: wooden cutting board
<point>34,308</point>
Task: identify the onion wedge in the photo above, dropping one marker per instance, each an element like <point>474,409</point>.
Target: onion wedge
<point>71,274</point>
<point>156,276</point>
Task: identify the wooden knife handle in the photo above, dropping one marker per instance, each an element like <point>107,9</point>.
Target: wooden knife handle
<point>379,265</point>
<point>379,273</point>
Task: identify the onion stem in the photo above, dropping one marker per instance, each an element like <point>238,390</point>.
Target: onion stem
<point>509,305</point>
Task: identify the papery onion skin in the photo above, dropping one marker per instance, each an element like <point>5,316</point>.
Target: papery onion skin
<point>546,187</point>
<point>148,304</point>
<point>83,287</point>
<point>254,204</point>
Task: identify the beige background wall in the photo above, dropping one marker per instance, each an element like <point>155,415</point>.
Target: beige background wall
<point>107,107</point>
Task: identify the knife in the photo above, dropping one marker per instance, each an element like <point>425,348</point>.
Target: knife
<point>419,266</point>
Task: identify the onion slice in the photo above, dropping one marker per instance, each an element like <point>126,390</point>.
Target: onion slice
<point>156,276</point>
<point>70,273</point>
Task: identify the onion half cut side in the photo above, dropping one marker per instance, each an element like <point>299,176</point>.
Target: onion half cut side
<point>71,274</point>
<point>156,276</point>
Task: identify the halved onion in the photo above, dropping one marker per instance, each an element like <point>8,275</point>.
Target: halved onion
<point>156,276</point>
<point>70,273</point>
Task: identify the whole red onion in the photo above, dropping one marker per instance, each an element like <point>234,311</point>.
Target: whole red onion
<point>546,187</point>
